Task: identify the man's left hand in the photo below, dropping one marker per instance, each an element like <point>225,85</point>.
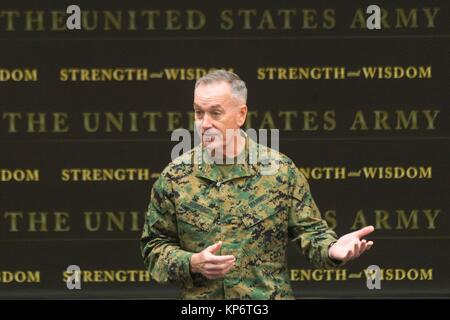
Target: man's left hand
<point>350,245</point>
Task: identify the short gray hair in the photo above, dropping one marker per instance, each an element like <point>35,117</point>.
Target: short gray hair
<point>238,87</point>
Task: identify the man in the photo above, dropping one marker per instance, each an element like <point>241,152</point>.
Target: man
<point>222,229</point>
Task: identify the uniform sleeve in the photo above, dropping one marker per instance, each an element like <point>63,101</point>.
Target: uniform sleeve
<point>306,226</point>
<point>160,247</point>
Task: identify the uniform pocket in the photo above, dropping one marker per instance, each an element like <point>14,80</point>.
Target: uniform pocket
<point>264,222</point>
<point>195,224</point>
<point>259,209</point>
<point>197,215</point>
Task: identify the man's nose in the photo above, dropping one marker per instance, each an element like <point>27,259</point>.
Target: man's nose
<point>206,122</point>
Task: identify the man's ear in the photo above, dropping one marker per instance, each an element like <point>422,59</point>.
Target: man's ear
<point>242,115</point>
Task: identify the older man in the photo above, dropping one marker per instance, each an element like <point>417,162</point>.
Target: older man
<point>221,226</point>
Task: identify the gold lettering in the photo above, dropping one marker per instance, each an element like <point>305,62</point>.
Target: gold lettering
<point>34,20</point>
<point>227,22</point>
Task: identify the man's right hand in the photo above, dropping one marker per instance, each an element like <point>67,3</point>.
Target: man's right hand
<point>210,265</point>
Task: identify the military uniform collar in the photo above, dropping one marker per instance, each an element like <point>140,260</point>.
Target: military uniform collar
<point>207,170</point>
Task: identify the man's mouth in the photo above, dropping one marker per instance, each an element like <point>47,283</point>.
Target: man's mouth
<point>208,137</point>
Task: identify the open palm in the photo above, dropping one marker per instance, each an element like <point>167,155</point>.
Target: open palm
<point>350,245</point>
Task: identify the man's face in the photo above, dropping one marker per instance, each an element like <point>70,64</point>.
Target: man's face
<point>216,110</point>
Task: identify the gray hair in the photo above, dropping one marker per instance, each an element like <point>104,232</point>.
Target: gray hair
<point>238,88</point>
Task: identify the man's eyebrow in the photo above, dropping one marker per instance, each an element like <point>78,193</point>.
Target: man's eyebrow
<point>213,107</point>
<point>217,106</point>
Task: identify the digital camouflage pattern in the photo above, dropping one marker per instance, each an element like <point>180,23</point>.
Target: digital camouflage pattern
<point>192,207</point>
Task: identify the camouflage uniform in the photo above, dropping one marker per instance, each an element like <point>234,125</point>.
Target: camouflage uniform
<point>192,207</point>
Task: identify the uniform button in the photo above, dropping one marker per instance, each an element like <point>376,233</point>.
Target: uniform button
<point>218,184</point>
